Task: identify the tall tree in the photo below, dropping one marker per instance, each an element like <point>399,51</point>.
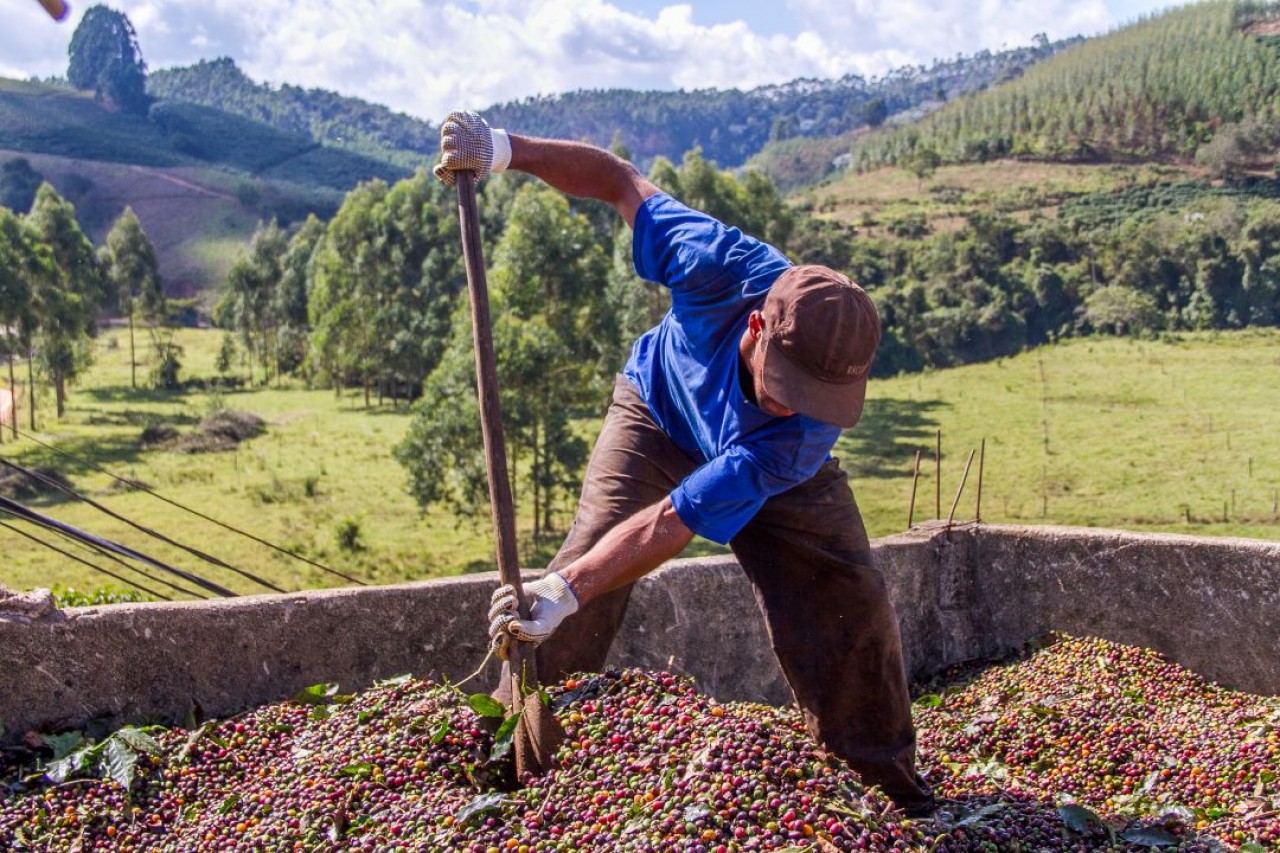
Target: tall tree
<point>104,56</point>
<point>342,334</point>
<point>21,263</point>
<point>133,273</point>
<point>291,296</point>
<point>384,281</point>
<point>66,304</point>
<point>550,316</point>
<point>249,302</point>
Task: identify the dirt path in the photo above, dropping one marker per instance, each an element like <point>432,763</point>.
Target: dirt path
<point>179,182</point>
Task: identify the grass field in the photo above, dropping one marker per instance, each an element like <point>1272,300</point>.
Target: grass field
<point>1173,435</point>
<point>1018,188</point>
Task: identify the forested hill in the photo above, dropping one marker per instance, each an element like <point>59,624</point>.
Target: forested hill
<point>327,117</point>
<point>1162,87</point>
<point>729,125</point>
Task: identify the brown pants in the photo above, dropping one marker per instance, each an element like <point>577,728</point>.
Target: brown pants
<point>806,553</point>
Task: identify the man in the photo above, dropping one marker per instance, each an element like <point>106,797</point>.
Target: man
<point>721,425</point>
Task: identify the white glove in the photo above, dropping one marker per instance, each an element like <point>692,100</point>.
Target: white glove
<point>551,601</point>
<point>467,143</point>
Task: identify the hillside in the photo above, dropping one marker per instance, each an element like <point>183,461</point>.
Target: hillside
<point>325,117</point>
<point>1160,88</point>
<point>729,125</point>
<point>198,178</point>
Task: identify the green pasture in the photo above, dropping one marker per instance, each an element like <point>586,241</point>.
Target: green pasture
<point>875,200</point>
<point>1175,435</point>
<point>1151,435</point>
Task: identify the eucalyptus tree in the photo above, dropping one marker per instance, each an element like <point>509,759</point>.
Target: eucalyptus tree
<point>132,270</point>
<point>554,358</point>
<point>21,263</point>
<point>342,334</point>
<point>290,297</point>
<point>104,56</point>
<point>67,300</point>
<point>249,303</point>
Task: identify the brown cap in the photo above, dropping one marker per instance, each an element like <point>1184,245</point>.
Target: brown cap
<point>820,334</point>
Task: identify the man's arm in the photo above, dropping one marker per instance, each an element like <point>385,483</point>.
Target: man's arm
<point>628,552</point>
<point>584,171</point>
<point>467,143</point>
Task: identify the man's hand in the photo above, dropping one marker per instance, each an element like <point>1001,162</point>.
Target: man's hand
<point>468,144</point>
<point>550,601</point>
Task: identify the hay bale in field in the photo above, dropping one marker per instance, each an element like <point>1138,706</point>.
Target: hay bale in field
<point>216,433</point>
<point>234,426</point>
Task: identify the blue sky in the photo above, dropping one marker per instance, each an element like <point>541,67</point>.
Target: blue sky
<point>425,57</point>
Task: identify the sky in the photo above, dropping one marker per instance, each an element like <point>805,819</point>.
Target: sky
<point>427,57</point>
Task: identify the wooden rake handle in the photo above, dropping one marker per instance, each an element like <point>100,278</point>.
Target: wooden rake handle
<point>500,502</point>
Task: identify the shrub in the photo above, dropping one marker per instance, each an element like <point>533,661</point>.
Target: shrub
<point>347,535</point>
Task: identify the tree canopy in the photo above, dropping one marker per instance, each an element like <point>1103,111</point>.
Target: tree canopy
<point>104,56</point>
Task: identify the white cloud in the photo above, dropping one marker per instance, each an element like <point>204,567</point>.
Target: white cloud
<point>428,57</point>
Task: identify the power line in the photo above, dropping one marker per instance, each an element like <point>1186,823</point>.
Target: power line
<point>143,488</point>
<point>196,552</point>
<point>99,552</point>
<point>18,510</point>
<point>93,566</point>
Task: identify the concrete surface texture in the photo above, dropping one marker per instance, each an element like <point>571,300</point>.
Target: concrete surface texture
<point>962,593</point>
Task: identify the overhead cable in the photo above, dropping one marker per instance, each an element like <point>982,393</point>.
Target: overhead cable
<point>196,552</point>
<point>142,488</point>
<point>93,566</point>
<point>18,510</point>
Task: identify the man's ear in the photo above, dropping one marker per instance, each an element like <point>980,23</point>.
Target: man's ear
<point>755,324</point>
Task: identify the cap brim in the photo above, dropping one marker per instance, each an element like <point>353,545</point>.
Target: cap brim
<point>798,390</point>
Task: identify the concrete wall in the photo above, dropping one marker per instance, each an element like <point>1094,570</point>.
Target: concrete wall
<point>1210,604</point>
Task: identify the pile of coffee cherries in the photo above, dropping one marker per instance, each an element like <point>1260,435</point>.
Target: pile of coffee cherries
<point>1078,745</point>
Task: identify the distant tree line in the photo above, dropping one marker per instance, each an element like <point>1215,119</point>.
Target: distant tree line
<point>318,114</point>
<point>998,285</point>
<point>729,125</point>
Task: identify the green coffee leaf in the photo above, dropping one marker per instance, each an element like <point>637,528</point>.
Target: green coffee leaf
<point>121,762</point>
<point>486,706</point>
<point>77,762</point>
<point>504,737</point>
<point>1149,836</point>
<point>138,740</point>
<point>485,804</point>
<point>63,744</point>
<point>441,730</point>
<point>363,768</point>
<point>1080,819</point>
<point>321,694</point>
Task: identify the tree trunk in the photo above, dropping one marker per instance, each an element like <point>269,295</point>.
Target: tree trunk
<point>60,392</point>
<point>133,360</point>
<point>13,393</point>
<point>31,382</point>
<point>537,488</point>
<point>549,491</point>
